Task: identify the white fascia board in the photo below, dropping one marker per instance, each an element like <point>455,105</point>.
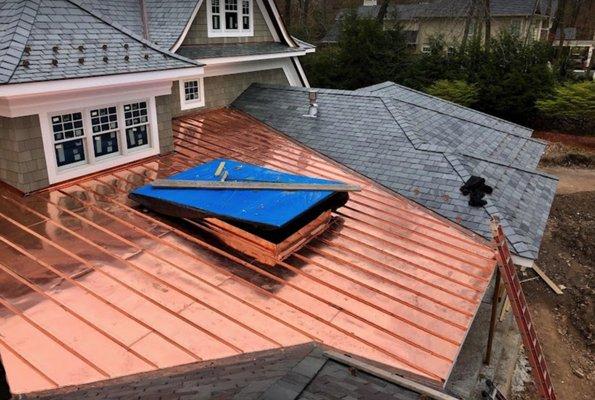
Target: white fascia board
<point>48,102</point>
<point>301,72</point>
<point>180,40</point>
<point>277,16</point>
<point>522,261</point>
<point>268,21</point>
<point>71,85</point>
<point>232,60</point>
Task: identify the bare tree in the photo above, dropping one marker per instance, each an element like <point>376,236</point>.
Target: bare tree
<point>287,13</point>
<point>558,23</point>
<point>305,12</point>
<point>468,19</point>
<point>488,21</point>
<point>383,11</point>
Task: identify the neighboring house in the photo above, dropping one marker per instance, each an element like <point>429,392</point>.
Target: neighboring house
<point>580,49</point>
<point>89,85</point>
<point>447,18</point>
<point>424,148</point>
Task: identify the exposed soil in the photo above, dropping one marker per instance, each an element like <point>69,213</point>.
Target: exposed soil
<point>565,322</point>
<point>585,142</point>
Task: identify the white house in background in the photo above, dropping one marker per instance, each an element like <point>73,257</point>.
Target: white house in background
<point>88,85</point>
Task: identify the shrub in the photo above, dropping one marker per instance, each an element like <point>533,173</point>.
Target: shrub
<point>571,107</point>
<point>457,91</point>
<point>366,54</point>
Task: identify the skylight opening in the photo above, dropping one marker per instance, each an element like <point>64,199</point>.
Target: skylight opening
<point>264,214</point>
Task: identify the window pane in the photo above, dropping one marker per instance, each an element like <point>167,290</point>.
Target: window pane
<point>216,24</point>
<point>191,90</point>
<point>245,7</point>
<point>135,113</point>
<point>246,22</point>
<point>137,136</point>
<point>67,126</point>
<point>69,152</point>
<point>231,5</point>
<point>215,6</point>
<point>231,20</point>
<point>105,143</point>
<point>104,119</point>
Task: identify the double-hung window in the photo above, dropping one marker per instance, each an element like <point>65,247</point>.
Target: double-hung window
<point>104,126</point>
<point>137,124</point>
<point>192,93</point>
<point>94,138</point>
<point>229,18</point>
<point>69,139</point>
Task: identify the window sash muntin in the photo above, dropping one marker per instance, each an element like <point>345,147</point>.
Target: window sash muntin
<point>192,89</point>
<point>233,17</point>
<point>88,137</point>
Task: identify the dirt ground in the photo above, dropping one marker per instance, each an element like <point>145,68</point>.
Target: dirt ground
<point>564,323</point>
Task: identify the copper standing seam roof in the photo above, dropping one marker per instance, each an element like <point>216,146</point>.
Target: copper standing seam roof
<point>93,288</point>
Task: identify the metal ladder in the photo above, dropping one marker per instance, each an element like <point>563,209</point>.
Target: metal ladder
<point>521,313</point>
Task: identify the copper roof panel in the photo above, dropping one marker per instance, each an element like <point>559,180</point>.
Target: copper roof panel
<point>109,289</point>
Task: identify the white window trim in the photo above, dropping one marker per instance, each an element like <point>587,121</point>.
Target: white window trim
<point>222,32</point>
<point>59,174</point>
<point>426,49</point>
<point>189,105</point>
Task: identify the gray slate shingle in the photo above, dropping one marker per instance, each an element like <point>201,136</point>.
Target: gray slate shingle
<point>397,144</point>
<point>41,25</point>
<point>299,372</point>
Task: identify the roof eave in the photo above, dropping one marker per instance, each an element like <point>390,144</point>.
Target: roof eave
<point>67,85</point>
<point>258,57</point>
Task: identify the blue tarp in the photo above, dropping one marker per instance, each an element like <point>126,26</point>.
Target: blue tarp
<point>269,207</point>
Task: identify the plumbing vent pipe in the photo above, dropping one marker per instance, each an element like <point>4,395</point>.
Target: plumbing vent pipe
<point>313,109</point>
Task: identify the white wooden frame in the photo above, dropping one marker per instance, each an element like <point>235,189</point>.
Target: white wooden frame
<point>223,32</point>
<point>58,174</point>
<point>200,102</point>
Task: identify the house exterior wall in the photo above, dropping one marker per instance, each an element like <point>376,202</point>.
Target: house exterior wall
<point>452,29</point>
<point>198,32</point>
<point>22,160</point>
<point>221,90</point>
<point>164,116</point>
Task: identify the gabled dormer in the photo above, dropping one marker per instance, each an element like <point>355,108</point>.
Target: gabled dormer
<point>87,85</point>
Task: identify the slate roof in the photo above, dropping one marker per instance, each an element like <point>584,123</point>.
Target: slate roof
<point>48,30</point>
<point>301,372</point>
<point>424,148</point>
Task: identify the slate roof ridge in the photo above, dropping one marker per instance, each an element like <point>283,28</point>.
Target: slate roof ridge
<point>503,164</point>
<point>392,84</point>
<point>417,142</point>
<point>18,47</point>
<point>403,122</point>
<point>490,208</point>
<point>422,145</point>
<point>452,158</point>
<point>109,21</point>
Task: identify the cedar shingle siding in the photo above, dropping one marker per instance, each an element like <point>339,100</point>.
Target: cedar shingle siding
<point>220,91</point>
<point>198,33</point>
<point>22,161</point>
